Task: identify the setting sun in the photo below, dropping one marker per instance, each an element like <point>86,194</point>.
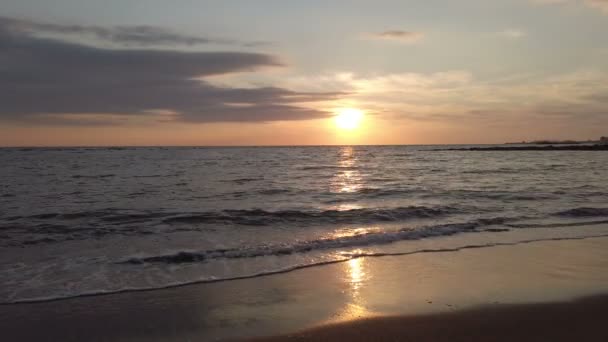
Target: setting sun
<point>349,118</point>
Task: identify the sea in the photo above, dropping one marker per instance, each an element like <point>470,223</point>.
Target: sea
<point>87,221</point>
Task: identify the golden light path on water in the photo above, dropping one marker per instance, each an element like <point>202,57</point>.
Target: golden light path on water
<point>347,178</point>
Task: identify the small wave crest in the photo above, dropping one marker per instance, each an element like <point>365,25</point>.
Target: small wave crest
<point>94,176</point>
<point>257,217</point>
<point>583,212</point>
<point>360,240</point>
<point>330,167</point>
<point>55,227</point>
<point>557,224</point>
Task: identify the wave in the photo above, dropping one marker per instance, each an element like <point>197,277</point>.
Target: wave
<point>330,167</point>
<point>494,171</point>
<point>344,258</point>
<point>584,212</point>
<point>556,224</point>
<point>359,240</point>
<point>368,193</point>
<point>259,217</point>
<point>273,191</point>
<point>94,176</point>
<point>378,192</point>
<point>108,215</point>
<point>497,195</point>
<point>253,216</point>
<point>243,180</point>
<point>57,227</point>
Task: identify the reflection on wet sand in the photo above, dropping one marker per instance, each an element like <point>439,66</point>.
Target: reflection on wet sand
<point>356,277</point>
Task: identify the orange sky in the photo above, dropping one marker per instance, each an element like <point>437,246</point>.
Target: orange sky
<point>371,131</point>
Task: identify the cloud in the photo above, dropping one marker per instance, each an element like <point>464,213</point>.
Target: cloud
<point>457,97</point>
<point>513,33</point>
<point>542,2</point>
<point>601,5</point>
<point>49,80</point>
<point>407,37</point>
<point>142,35</point>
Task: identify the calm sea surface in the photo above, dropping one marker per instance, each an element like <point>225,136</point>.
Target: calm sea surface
<point>97,220</point>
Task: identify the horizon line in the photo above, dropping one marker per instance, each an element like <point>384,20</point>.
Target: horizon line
<point>239,146</point>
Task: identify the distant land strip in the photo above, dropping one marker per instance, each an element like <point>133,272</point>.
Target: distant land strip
<point>597,147</point>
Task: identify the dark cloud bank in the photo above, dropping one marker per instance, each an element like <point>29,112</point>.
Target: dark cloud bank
<point>141,35</point>
<point>41,76</point>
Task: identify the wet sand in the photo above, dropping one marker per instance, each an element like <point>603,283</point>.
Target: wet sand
<point>581,320</point>
<point>484,293</point>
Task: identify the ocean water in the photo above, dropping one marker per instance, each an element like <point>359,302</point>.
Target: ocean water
<point>82,221</point>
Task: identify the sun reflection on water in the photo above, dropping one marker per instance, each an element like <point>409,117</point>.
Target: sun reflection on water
<point>347,179</point>
<point>351,232</point>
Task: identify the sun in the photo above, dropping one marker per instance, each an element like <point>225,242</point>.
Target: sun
<point>349,118</point>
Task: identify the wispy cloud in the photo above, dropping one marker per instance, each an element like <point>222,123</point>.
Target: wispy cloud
<point>549,1</point>
<point>142,35</point>
<point>48,80</point>
<point>513,33</point>
<point>457,97</point>
<point>406,37</point>
<point>601,5</point>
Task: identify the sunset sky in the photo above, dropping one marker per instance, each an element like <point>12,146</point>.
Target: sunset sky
<point>159,72</point>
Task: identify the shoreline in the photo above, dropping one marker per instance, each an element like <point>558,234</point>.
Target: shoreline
<point>361,290</point>
<point>306,266</point>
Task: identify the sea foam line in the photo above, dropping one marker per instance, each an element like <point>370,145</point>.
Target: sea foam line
<point>293,268</point>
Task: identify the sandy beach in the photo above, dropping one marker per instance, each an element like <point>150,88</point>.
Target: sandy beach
<point>474,294</point>
<point>581,320</point>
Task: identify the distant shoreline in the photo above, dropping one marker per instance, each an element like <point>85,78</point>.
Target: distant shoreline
<point>596,147</point>
<point>554,142</point>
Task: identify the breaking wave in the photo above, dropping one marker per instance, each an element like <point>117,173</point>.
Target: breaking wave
<point>258,217</point>
<point>584,212</point>
<point>292,268</point>
<point>358,240</point>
